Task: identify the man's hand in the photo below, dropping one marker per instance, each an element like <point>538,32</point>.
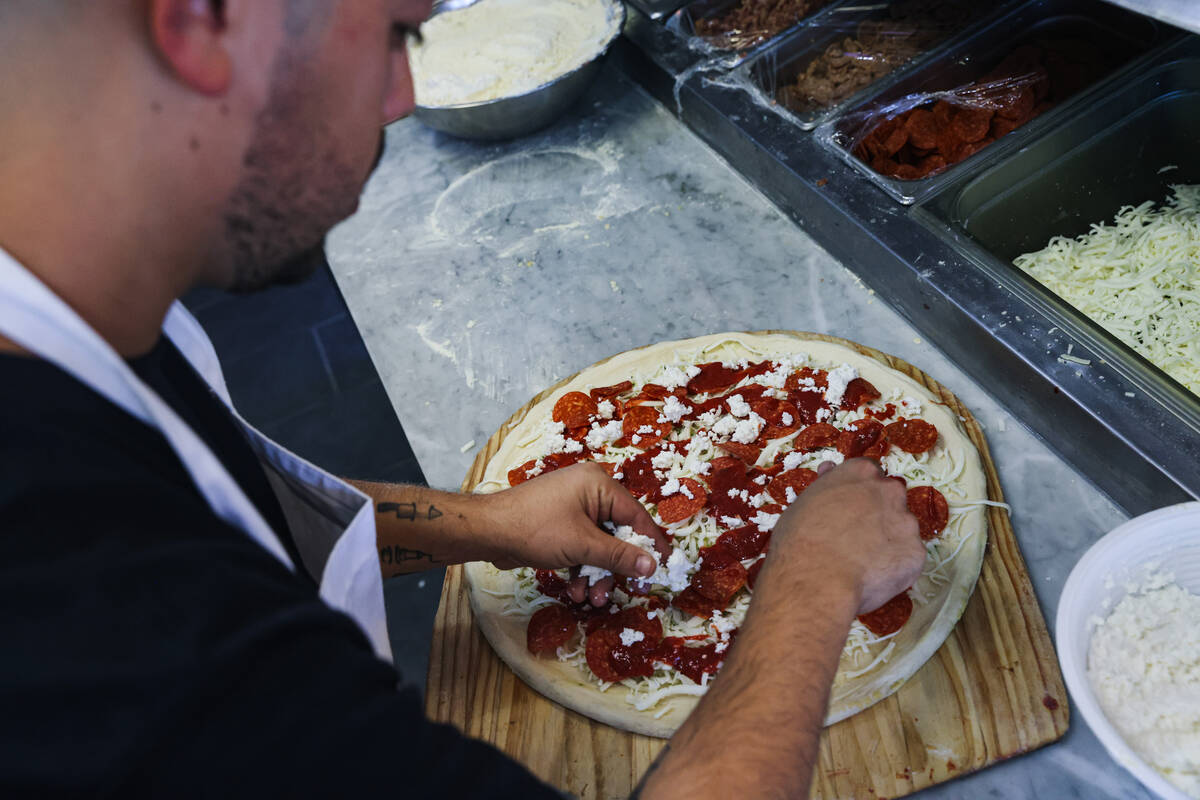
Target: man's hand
<point>853,521</point>
<point>845,547</point>
<point>554,522</point>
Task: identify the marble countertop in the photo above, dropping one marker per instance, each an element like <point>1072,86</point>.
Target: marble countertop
<point>479,274</point>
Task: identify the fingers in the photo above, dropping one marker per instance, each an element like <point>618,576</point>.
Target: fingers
<point>601,549</point>
<point>824,467</point>
<point>577,588</point>
<point>599,592</point>
<point>622,508</point>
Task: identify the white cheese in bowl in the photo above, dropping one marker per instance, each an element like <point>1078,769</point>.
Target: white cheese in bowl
<point>503,48</point>
<point>1144,666</point>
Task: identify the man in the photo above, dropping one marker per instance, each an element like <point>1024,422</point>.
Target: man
<point>187,608</point>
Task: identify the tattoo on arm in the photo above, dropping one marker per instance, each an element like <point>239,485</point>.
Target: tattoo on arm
<point>409,511</point>
<point>391,554</point>
<point>637,790</point>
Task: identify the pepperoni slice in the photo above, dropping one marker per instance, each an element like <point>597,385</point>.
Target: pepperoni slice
<point>815,437</point>
<point>550,584</point>
<point>726,474</point>
<point>752,573</point>
<point>599,393</point>
<point>690,601</point>
<point>719,583</point>
<point>889,617</point>
<point>693,662</point>
<point>748,453</point>
<point>637,475</point>
<point>654,391</point>
<point>714,377</point>
<point>678,507</point>
<point>929,506</point>
<point>798,380</point>
<point>745,542</point>
<point>550,628</point>
<point>912,435</point>
<point>797,480</point>
<point>858,437</point>
<point>640,417</point>
<point>599,652</point>
<point>781,417</point>
<point>858,392</point>
<point>878,450</point>
<point>550,463</point>
<point>574,409</point>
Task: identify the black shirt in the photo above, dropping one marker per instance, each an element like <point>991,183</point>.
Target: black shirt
<point>149,648</point>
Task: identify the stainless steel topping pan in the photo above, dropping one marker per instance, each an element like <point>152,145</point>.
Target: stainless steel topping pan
<point>1125,150</point>
<point>1120,34</point>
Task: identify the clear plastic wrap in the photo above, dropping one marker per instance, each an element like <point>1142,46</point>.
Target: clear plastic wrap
<point>854,52</point>
<point>921,134</point>
<point>742,25</point>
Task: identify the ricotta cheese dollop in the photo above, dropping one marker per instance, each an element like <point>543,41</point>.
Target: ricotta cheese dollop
<point>503,48</point>
<point>1144,665</point>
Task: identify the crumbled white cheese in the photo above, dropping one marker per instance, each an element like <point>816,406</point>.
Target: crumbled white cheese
<point>910,406</point>
<point>629,636</point>
<point>593,574</point>
<point>738,406</point>
<point>606,409</point>
<point>676,573</point>
<point>747,430</point>
<point>725,426</point>
<point>709,418</point>
<point>673,410</point>
<point>765,521</point>
<point>837,379</point>
<point>663,460</point>
<point>732,522</point>
<point>536,469</point>
<point>786,418</point>
<point>789,494</point>
<point>601,435</point>
<point>793,459</point>
<point>1144,664</point>
<point>671,487</point>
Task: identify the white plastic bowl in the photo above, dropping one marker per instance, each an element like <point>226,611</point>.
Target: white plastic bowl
<point>1170,538</point>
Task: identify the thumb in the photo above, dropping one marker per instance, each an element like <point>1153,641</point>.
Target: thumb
<point>601,549</point>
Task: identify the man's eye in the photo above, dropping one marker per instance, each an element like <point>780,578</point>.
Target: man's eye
<point>402,30</point>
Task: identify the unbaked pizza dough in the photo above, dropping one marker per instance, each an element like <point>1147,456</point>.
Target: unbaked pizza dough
<point>870,668</point>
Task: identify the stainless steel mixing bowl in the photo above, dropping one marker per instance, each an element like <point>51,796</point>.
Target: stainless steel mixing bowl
<point>510,117</point>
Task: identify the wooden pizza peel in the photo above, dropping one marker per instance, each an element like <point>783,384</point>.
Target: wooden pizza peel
<point>992,691</point>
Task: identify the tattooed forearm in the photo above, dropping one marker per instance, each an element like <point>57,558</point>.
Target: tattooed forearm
<point>391,554</point>
<point>409,511</point>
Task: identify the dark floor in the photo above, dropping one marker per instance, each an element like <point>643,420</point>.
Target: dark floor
<point>298,371</point>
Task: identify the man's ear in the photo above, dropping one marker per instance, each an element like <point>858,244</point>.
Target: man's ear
<point>189,37</point>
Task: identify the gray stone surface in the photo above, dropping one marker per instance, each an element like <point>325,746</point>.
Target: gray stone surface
<point>479,274</point>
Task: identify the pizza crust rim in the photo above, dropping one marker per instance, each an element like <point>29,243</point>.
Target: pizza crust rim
<point>916,643</point>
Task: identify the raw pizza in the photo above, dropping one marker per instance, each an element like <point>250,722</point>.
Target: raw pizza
<point>717,436</point>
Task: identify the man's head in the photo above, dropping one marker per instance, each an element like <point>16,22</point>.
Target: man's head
<point>244,128</point>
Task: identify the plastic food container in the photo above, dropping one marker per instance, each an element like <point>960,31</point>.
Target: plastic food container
<point>960,77</point>
<point>1169,538</point>
<point>736,46</point>
<point>1125,149</point>
<point>852,49</point>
